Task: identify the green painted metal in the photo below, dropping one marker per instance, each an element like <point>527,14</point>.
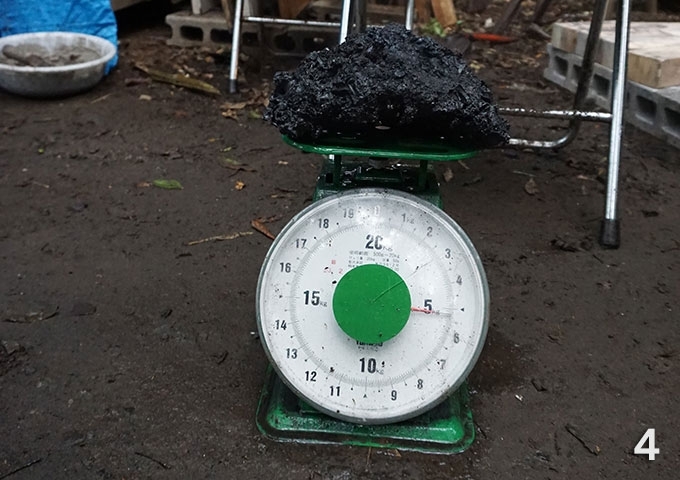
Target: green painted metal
<point>337,177</point>
<point>399,149</point>
<point>448,428</point>
<point>371,303</point>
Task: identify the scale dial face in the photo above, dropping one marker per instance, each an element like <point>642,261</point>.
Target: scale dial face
<point>372,305</point>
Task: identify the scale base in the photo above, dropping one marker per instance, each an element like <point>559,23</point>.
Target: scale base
<point>446,429</point>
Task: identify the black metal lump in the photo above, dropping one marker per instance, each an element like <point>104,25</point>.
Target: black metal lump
<point>386,83</point>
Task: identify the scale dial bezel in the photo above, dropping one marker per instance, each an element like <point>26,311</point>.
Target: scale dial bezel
<point>265,320</point>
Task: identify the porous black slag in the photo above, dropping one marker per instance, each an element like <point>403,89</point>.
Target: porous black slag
<point>386,82</point>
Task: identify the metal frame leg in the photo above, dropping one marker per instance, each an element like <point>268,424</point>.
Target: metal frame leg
<point>610,235</point>
<point>576,115</point>
<point>344,19</point>
<point>235,47</point>
<point>353,18</point>
<point>610,231</point>
<point>410,5</point>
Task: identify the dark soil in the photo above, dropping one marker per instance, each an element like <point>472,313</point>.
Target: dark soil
<point>386,84</point>
<point>127,353</point>
<point>35,55</point>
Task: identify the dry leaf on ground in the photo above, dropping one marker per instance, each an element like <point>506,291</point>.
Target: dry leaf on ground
<point>260,227</point>
<point>254,98</point>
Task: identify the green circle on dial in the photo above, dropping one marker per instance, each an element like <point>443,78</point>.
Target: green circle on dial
<point>371,303</point>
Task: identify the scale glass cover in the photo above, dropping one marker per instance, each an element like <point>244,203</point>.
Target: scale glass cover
<point>372,306</point>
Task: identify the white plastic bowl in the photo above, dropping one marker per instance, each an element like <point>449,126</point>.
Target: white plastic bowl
<point>52,81</point>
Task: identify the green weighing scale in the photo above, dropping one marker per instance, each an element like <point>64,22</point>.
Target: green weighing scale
<point>372,306</point>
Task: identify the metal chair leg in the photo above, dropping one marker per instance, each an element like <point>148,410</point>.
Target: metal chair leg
<point>345,19</point>
<point>610,231</point>
<point>576,115</point>
<point>353,18</point>
<point>610,235</point>
<point>410,5</point>
<point>235,47</point>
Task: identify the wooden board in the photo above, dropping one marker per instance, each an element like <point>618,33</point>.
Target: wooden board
<point>653,50</point>
<point>423,10</point>
<point>291,8</point>
<point>444,12</point>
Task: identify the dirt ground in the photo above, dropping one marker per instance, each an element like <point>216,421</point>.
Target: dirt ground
<point>127,353</point>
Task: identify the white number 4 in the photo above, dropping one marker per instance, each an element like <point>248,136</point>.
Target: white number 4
<point>650,450</point>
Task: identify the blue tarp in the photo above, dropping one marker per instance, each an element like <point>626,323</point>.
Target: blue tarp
<point>94,17</point>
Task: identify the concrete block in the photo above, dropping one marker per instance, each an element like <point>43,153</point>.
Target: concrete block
<point>298,40</point>
<point>564,69</point>
<point>653,110</point>
<point>643,108</point>
<point>209,29</point>
<point>670,114</point>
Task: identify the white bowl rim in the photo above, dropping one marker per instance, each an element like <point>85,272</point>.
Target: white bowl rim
<point>108,47</point>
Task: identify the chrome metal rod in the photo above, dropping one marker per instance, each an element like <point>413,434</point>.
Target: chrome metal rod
<point>610,230</point>
<point>295,22</point>
<point>409,14</point>
<point>557,114</point>
<point>358,16</point>
<point>542,144</point>
<point>289,21</point>
<point>344,20</point>
<point>589,53</point>
<point>235,46</point>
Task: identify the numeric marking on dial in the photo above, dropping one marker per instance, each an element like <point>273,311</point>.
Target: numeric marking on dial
<point>370,365</point>
<point>374,242</point>
<point>312,297</point>
<point>285,267</point>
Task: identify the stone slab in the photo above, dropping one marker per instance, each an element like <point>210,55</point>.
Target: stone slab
<point>653,110</point>
<point>653,51</point>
